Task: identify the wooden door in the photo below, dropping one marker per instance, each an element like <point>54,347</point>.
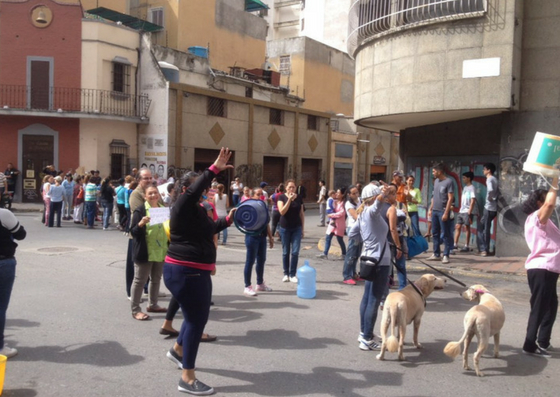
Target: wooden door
<point>37,153</point>
<point>310,178</point>
<point>273,172</point>
<point>40,95</point>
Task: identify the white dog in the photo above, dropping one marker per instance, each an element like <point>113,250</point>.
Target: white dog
<point>401,308</point>
<point>483,320</point>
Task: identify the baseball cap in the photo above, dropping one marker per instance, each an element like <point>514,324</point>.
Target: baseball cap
<point>263,184</point>
<point>370,191</point>
<point>398,173</point>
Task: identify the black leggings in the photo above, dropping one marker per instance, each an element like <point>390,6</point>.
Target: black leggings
<point>544,306</point>
<point>172,309</point>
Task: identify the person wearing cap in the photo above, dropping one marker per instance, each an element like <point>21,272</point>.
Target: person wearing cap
<point>398,181</point>
<point>68,185</point>
<point>440,213</point>
<point>265,193</point>
<point>56,194</point>
<point>370,227</point>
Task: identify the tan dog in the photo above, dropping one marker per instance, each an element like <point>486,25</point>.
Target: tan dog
<point>403,307</point>
<point>484,320</point>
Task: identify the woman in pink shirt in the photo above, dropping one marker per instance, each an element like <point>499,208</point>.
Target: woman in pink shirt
<point>543,267</point>
<point>337,225</point>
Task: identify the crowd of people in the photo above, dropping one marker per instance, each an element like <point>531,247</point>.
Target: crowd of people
<point>377,219</point>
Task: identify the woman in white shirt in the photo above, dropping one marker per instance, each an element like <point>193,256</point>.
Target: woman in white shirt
<point>221,202</point>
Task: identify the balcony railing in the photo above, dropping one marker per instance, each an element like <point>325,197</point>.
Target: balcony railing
<point>370,18</point>
<point>81,100</point>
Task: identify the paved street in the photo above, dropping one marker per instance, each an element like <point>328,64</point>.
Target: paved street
<point>70,320</point>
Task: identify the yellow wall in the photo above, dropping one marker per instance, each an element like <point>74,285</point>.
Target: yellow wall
<point>95,137</point>
<point>101,43</point>
<point>227,48</point>
<point>323,85</point>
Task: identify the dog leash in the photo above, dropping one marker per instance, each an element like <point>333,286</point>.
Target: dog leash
<point>433,268</point>
<point>407,279</point>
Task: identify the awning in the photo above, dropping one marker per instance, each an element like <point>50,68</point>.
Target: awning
<point>126,20</point>
<point>255,5</point>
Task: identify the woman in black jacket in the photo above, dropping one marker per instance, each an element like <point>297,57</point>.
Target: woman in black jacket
<point>190,261</point>
<point>107,193</point>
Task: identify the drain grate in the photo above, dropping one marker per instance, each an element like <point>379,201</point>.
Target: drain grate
<point>58,249</point>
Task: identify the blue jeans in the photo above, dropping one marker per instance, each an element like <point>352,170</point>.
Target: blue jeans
<point>91,208</point>
<point>415,221</point>
<point>484,230</point>
<point>291,238</point>
<point>373,293</point>
<point>193,290</point>
<point>400,264</point>
<point>256,249</point>
<point>7,277</point>
<point>55,206</point>
<point>439,225</point>
<point>224,233</point>
<point>107,211</point>
<point>235,198</point>
<point>328,241</point>
<point>352,255</point>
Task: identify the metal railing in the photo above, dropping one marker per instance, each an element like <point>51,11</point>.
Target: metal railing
<point>84,100</point>
<point>369,18</point>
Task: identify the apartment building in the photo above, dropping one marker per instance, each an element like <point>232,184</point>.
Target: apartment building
<point>68,94</point>
<point>464,82</point>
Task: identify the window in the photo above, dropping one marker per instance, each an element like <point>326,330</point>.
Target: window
<point>121,77</point>
<point>216,107</point>
<point>119,158</point>
<point>344,151</point>
<point>312,122</point>
<point>276,117</point>
<point>285,64</point>
<point>248,92</point>
<point>302,23</point>
<point>155,15</point>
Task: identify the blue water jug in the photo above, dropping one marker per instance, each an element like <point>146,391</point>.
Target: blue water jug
<point>306,287</point>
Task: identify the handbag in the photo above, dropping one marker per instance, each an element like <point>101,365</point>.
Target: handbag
<point>416,245</point>
<point>369,266</point>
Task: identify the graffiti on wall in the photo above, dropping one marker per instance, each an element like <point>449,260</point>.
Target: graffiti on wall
<point>515,186</point>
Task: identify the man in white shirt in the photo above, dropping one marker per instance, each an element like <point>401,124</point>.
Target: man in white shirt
<point>467,210</point>
<point>322,201</point>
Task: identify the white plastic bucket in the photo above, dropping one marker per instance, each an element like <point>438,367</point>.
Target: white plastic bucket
<point>544,156</point>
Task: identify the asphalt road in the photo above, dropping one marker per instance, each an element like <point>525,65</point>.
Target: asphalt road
<point>70,320</point>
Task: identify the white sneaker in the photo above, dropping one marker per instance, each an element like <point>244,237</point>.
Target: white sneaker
<point>293,279</point>
<point>445,259</point>
<point>433,258</point>
<point>8,351</point>
<point>249,291</point>
<point>322,256</point>
<point>369,345</point>
<point>285,279</point>
<point>263,287</point>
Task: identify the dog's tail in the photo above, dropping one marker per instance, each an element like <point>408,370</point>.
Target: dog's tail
<point>392,341</point>
<point>453,349</point>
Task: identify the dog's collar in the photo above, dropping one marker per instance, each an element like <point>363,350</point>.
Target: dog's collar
<point>419,293</point>
<point>479,291</point>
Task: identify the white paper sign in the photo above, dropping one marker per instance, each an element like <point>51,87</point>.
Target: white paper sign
<point>158,215</point>
<point>487,67</point>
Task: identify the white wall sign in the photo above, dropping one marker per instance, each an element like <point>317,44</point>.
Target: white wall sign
<point>153,154</point>
<point>488,67</point>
